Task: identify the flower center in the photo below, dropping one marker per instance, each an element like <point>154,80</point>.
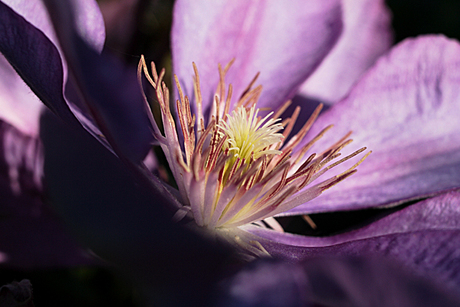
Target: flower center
<point>248,137</point>
<point>235,168</point>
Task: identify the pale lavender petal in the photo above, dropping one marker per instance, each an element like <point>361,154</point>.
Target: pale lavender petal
<point>406,111</point>
<point>285,43</point>
<point>366,36</point>
<point>423,237</point>
<point>19,105</point>
<point>89,23</point>
<point>31,236</point>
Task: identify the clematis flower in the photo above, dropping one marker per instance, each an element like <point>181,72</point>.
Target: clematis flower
<point>404,108</point>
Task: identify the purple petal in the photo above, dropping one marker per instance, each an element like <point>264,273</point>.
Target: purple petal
<point>331,281</point>
<point>19,105</point>
<point>406,111</point>
<point>424,237</point>
<point>110,92</point>
<point>285,43</point>
<point>90,24</point>
<point>40,66</point>
<point>366,36</point>
<point>30,234</point>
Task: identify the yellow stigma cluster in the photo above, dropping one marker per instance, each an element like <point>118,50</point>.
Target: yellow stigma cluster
<point>248,137</point>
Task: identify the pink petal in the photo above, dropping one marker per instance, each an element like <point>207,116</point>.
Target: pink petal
<point>366,36</point>
<point>285,43</point>
<point>406,111</point>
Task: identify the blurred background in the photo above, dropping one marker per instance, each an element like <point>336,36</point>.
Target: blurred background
<point>137,27</point>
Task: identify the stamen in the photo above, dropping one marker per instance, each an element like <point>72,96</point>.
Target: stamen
<point>291,123</point>
<point>310,222</point>
<point>198,98</point>
<point>273,224</point>
<point>250,85</point>
<point>283,108</point>
<point>295,140</point>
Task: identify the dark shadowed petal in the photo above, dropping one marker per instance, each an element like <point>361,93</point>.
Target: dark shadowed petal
<point>124,221</point>
<point>331,281</point>
<point>285,43</point>
<point>109,91</point>
<point>366,36</point>
<point>30,234</point>
<point>405,110</point>
<point>266,283</point>
<point>120,18</point>
<point>424,237</point>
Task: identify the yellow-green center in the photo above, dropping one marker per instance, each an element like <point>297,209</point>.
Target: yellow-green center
<point>248,136</point>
